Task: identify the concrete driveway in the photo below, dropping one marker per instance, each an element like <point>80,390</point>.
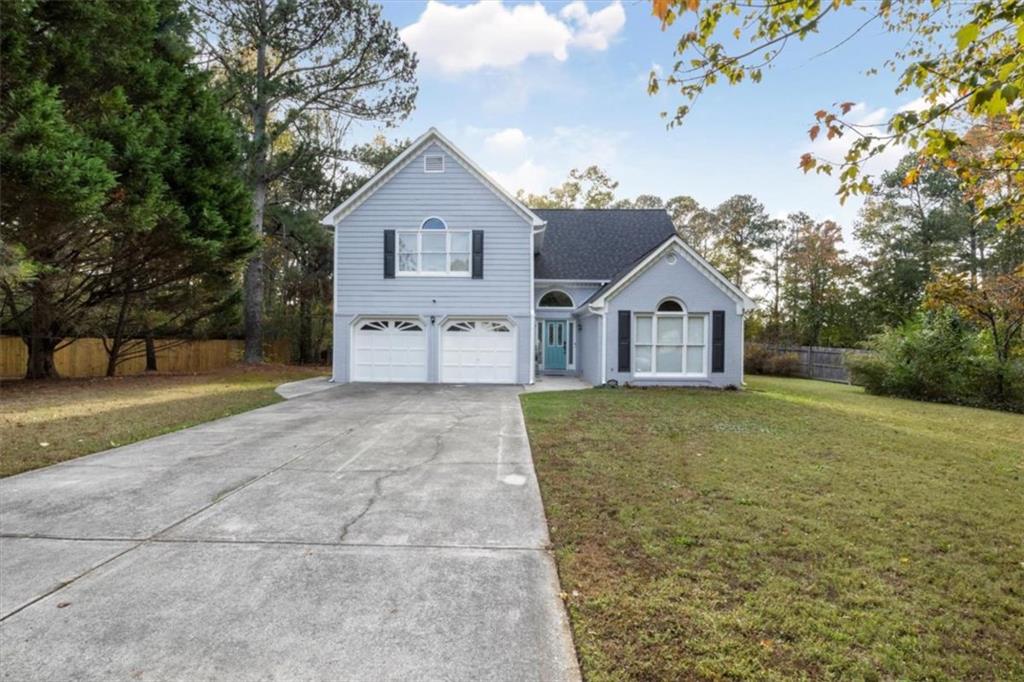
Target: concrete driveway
<point>361,533</point>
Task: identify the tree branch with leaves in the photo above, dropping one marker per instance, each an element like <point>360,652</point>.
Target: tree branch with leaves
<point>966,61</point>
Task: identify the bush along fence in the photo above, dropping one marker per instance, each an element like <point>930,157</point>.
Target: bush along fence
<point>87,357</point>
<point>809,362</point>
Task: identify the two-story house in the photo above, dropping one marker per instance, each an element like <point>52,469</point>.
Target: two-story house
<point>442,276</point>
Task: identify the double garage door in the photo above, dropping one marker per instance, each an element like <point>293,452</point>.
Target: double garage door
<point>471,351</point>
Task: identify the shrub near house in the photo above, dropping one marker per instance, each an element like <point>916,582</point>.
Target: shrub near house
<point>940,358</point>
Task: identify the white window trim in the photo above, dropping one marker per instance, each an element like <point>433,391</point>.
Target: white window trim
<point>684,315</point>
<point>419,272</point>
<point>573,333</point>
<point>429,155</point>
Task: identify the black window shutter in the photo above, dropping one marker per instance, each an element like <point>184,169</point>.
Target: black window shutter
<point>625,322</point>
<point>389,254</point>
<point>718,341</point>
<point>478,254</point>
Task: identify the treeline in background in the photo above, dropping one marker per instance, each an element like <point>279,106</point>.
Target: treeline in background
<point>933,286</point>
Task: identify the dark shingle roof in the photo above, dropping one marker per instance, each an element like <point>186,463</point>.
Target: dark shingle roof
<point>597,243</point>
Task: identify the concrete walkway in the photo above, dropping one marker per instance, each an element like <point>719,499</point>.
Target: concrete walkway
<point>359,533</point>
<point>297,389</point>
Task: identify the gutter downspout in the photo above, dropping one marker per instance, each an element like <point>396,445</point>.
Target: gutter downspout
<point>534,231</point>
<point>334,297</point>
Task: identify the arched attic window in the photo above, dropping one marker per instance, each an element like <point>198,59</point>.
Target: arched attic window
<point>556,299</point>
<point>433,224</point>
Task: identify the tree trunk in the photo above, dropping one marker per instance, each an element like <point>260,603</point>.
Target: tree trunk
<point>112,355</point>
<point>254,309</point>
<point>305,331</point>
<point>150,353</point>
<point>41,341</point>
<point>117,341</point>
<point>258,178</point>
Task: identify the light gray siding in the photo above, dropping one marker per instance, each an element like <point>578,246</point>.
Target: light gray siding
<point>589,361</point>
<point>464,203</point>
<point>700,295</point>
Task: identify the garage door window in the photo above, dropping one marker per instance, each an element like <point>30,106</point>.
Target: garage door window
<point>396,325</point>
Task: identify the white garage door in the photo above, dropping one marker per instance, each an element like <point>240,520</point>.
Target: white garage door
<point>478,352</point>
<point>389,350</point>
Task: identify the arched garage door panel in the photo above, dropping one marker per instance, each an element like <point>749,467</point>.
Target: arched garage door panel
<point>389,351</point>
<point>478,352</point>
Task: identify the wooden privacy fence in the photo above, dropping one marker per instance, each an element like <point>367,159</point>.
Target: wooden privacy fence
<point>819,362</point>
<point>87,357</point>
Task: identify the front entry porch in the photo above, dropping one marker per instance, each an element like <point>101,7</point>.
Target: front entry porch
<point>556,341</point>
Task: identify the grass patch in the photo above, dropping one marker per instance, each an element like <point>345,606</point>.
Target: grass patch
<point>796,530</point>
<point>45,422</point>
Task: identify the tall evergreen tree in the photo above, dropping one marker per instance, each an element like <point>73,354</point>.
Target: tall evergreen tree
<point>910,231</point>
<point>742,232</point>
<point>120,169</point>
<point>283,61</point>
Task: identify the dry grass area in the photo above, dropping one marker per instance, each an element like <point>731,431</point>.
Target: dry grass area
<point>795,530</point>
<point>44,422</point>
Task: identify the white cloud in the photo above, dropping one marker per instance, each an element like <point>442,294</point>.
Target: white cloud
<point>528,175</point>
<point>507,142</point>
<point>536,163</point>
<point>459,39</point>
<point>594,31</point>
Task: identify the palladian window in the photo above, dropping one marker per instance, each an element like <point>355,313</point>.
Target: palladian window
<point>670,341</point>
<point>434,250</point>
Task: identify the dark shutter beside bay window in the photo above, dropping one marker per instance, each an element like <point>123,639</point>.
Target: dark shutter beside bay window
<point>625,324</point>
<point>718,341</point>
<point>389,254</point>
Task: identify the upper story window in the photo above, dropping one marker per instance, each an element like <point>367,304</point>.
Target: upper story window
<point>556,299</point>
<point>433,163</point>
<point>434,250</point>
<point>670,341</point>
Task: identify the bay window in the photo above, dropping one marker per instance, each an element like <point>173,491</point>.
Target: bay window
<point>670,341</point>
<point>434,250</point>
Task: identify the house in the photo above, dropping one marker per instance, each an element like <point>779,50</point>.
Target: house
<point>442,276</point>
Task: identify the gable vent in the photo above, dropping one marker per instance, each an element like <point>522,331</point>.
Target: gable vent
<point>433,163</point>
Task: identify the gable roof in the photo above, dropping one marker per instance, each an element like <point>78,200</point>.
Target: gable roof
<point>639,265</point>
<point>432,136</point>
<point>599,244</point>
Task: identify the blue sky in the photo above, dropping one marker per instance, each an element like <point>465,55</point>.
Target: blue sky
<point>530,90</point>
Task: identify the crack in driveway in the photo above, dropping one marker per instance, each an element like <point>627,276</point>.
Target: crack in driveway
<point>378,482</point>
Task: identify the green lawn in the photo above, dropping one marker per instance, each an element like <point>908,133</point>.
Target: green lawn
<point>797,529</point>
<point>45,422</point>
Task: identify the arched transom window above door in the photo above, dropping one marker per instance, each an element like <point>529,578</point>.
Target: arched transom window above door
<point>556,299</point>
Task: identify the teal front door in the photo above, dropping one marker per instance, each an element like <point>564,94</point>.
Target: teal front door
<point>554,344</point>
